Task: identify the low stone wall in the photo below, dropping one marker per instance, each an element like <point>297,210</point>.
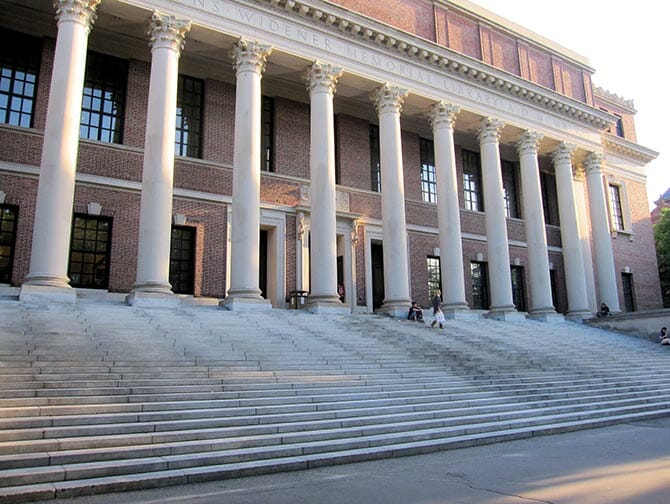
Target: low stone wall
<point>646,324</point>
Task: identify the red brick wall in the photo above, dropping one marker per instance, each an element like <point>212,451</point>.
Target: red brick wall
<point>354,152</point>
<point>463,35</point>
<point>292,138</point>
<point>218,127</point>
<point>413,16</point>
<point>135,118</point>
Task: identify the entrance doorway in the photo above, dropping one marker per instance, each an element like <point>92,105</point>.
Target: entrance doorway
<point>377,256</point>
<point>263,264</point>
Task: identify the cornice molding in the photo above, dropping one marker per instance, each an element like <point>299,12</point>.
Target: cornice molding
<point>441,58</point>
<point>628,149</point>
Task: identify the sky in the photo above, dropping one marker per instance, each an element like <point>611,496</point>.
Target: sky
<point>622,41</point>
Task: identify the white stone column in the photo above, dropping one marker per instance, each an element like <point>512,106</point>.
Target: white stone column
<point>55,192</point>
<point>321,81</point>
<point>443,117</point>
<point>573,260</point>
<point>495,218</point>
<point>541,304</point>
<point>388,101</point>
<point>153,258</point>
<point>244,292</point>
<point>602,239</point>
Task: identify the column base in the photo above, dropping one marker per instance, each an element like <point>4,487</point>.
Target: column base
<point>397,308</point>
<point>147,299</point>
<point>545,315</point>
<point>47,294</point>
<point>506,313</point>
<point>578,315</point>
<point>62,282</point>
<point>327,305</point>
<point>459,312</point>
<point>245,304</point>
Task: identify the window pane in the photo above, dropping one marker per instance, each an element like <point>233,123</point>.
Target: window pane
<point>103,101</point>
<point>428,183</point>
<point>189,117</point>
<point>89,251</point>
<point>472,187</point>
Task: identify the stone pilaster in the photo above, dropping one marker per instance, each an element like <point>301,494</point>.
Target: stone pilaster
<point>321,82</point>
<point>388,102</point>
<point>47,277</point>
<point>244,293</point>
<point>167,35</point>
<point>541,304</point>
<point>600,227</point>
<point>496,223</point>
<point>573,260</point>
<point>442,118</point>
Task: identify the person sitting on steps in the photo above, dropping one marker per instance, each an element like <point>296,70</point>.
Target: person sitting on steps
<point>415,313</point>
<point>663,337</point>
<point>604,311</point>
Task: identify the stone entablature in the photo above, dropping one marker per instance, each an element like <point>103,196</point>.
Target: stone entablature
<point>614,99</point>
<point>362,45</point>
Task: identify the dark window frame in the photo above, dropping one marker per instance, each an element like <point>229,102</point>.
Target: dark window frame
<point>267,134</point>
<point>375,159</point>
<point>89,256</point>
<point>549,198</point>
<point>517,275</point>
<point>428,172</point>
<point>104,98</point>
<point>618,221</point>
<point>480,285</point>
<point>180,265</point>
<point>8,231</point>
<point>473,197</point>
<point>510,189</point>
<point>433,267</point>
<point>188,124</point>
<point>20,62</point>
<point>628,291</point>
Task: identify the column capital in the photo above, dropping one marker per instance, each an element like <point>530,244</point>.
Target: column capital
<point>564,152</point>
<point>388,98</point>
<point>250,56</point>
<point>529,143</point>
<point>443,114</point>
<point>490,129</point>
<point>322,77</point>
<point>593,162</point>
<point>167,31</point>
<point>79,11</point>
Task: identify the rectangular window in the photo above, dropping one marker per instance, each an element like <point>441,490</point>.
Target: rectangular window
<point>267,134</point>
<point>434,277</point>
<point>518,289</point>
<point>619,126</point>
<point>188,134</point>
<point>182,259</point>
<point>616,207</point>
<point>472,181</point>
<point>510,189</point>
<point>375,160</point>
<point>104,100</point>
<point>480,285</point>
<point>20,57</point>
<point>8,219</point>
<point>628,292</point>
<point>428,179</point>
<point>549,198</point>
<point>90,249</point>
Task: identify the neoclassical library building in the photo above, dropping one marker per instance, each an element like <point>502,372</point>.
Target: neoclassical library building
<point>341,155</point>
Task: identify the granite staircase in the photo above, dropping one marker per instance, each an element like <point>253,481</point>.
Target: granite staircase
<point>101,397</point>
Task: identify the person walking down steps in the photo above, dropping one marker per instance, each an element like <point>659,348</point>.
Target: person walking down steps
<point>437,310</point>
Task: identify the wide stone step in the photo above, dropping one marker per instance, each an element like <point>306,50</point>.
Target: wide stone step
<point>365,444</point>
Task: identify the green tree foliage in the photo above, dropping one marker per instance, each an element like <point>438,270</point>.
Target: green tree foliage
<point>662,239</point>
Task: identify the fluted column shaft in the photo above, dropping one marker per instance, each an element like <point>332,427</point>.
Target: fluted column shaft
<point>602,240</point>
<point>388,101</point>
<point>496,223</point>
<point>153,259</point>
<point>573,260</point>
<point>249,60</point>
<point>536,236</point>
<point>443,117</point>
<point>55,193</point>
<point>322,79</point>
